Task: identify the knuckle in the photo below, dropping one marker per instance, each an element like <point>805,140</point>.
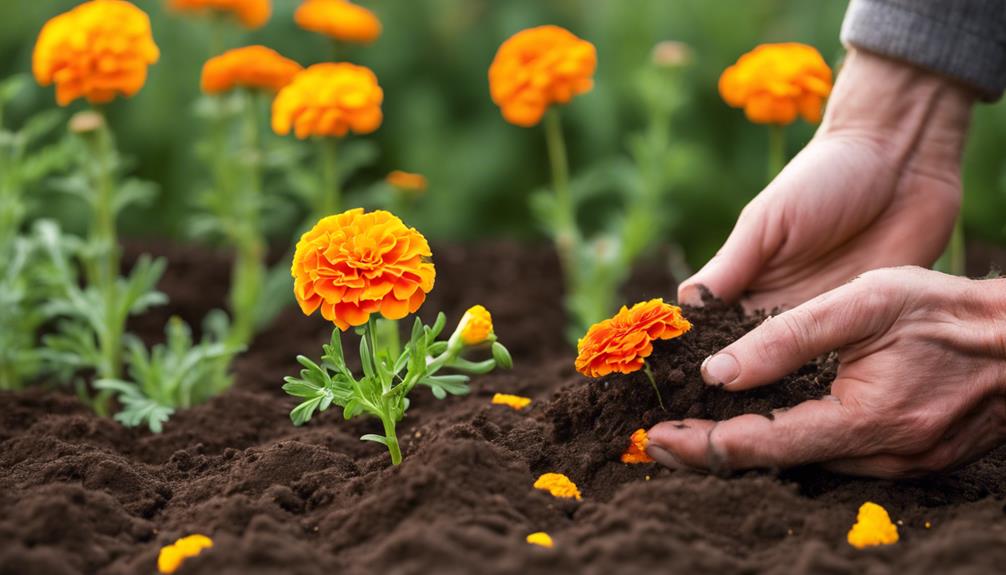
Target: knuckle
<point>789,334</point>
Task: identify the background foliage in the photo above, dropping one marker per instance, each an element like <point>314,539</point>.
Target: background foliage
<point>432,61</point>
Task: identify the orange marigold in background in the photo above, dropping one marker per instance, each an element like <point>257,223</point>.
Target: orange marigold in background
<point>98,50</point>
<point>776,82</point>
<point>255,67</point>
<point>251,13</point>
<point>407,181</point>
<point>355,264</point>
<point>636,452</point>
<point>537,68</point>
<point>329,100</point>
<point>623,342</point>
<point>339,19</point>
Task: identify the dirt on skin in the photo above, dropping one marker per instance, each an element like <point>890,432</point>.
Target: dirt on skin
<point>79,494</point>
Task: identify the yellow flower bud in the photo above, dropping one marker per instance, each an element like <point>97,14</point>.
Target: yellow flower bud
<point>476,325</point>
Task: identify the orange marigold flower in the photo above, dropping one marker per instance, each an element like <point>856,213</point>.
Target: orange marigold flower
<point>476,325</point>
<point>539,67</point>
<point>541,539</point>
<point>329,100</point>
<point>636,453</point>
<point>407,181</point>
<point>513,401</point>
<point>775,82</point>
<point>254,67</point>
<point>339,19</point>
<point>558,485</point>
<point>873,527</point>
<point>251,13</point>
<point>172,556</point>
<point>624,341</point>
<point>98,50</point>
<point>355,264</point>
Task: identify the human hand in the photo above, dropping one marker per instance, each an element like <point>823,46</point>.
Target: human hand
<point>921,384</point>
<point>878,186</point>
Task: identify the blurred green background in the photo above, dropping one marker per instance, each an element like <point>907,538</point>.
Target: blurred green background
<point>432,61</point>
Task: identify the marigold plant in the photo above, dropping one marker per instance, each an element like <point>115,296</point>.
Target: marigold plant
<point>541,539</point>
<point>558,485</point>
<point>329,99</point>
<point>250,13</point>
<point>253,67</point>
<point>357,267</point>
<point>636,452</point>
<point>339,19</point>
<point>172,556</point>
<point>407,181</point>
<point>514,402</point>
<point>537,68</point>
<point>99,50</point>
<point>873,527</point>
<point>476,325</point>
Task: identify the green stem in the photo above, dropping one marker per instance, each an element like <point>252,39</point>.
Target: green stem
<point>105,268</point>
<point>566,236</point>
<point>653,382</point>
<point>776,150</point>
<point>392,438</point>
<point>329,196</point>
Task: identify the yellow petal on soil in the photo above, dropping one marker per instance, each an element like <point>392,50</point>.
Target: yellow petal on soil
<point>873,527</point>
<point>541,539</point>
<point>558,485</point>
<point>515,401</point>
<point>636,452</point>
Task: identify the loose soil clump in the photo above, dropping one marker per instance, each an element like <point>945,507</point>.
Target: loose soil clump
<point>80,494</point>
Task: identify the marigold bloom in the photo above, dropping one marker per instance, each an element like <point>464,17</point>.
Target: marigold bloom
<point>329,100</point>
<point>541,539</point>
<point>98,50</point>
<point>775,82</point>
<point>623,342</point>
<point>251,13</point>
<point>636,452</point>
<point>558,485</point>
<point>339,19</point>
<point>873,527</point>
<point>513,401</point>
<point>255,67</point>
<point>172,556</point>
<point>476,325</point>
<point>407,181</point>
<point>539,67</point>
<point>355,264</point>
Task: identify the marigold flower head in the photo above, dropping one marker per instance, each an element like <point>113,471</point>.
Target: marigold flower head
<point>329,100</point>
<point>558,485</point>
<point>873,527</point>
<point>541,539</point>
<point>476,325</point>
<point>636,452</point>
<point>98,50</point>
<point>539,67</point>
<point>355,264</point>
<point>339,19</point>
<point>515,402</point>
<point>255,67</point>
<point>407,181</point>
<point>776,82</point>
<point>172,556</point>
<point>623,342</point>
<point>251,13</point>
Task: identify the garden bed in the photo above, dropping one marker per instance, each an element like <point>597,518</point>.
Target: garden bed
<point>80,494</point>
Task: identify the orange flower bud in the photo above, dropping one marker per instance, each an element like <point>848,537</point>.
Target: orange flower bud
<point>776,82</point>
<point>873,527</point>
<point>98,50</point>
<point>636,453</point>
<point>558,485</point>
<point>537,68</point>
<point>172,556</point>
<point>255,67</point>
<point>251,13</point>
<point>541,539</point>
<point>339,19</point>
<point>624,341</point>
<point>355,264</point>
<point>407,181</point>
<point>513,401</point>
<point>476,325</point>
<point>329,100</point>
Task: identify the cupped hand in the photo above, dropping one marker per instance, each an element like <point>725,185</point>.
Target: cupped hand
<point>878,186</point>
<point>921,383</point>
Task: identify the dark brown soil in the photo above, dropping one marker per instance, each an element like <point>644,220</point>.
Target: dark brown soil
<point>79,494</point>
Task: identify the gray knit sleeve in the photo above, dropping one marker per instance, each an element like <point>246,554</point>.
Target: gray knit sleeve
<point>962,39</point>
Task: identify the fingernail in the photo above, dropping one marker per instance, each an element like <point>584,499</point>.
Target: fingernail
<point>690,295</point>
<point>664,457</point>
<point>720,369</point>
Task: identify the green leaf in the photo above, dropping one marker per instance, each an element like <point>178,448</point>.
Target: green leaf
<point>438,327</point>
<point>480,367</point>
<point>367,358</point>
<point>375,438</point>
<point>300,388</point>
<point>502,355</point>
<point>303,412</point>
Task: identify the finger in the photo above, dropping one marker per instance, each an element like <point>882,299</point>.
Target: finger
<point>811,432</point>
<point>729,273</point>
<point>781,344</point>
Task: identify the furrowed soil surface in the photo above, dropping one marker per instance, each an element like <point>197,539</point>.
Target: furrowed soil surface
<point>79,494</point>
